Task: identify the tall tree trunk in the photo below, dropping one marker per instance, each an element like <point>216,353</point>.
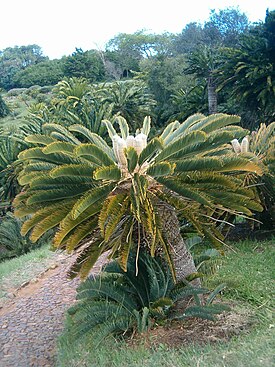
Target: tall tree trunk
<point>212,95</point>
<point>183,260</point>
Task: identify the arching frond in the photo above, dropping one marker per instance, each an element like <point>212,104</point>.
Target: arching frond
<point>40,139</point>
<point>92,196</point>
<point>188,139</point>
<point>94,154</point>
<point>94,139</point>
<point>154,146</point>
<point>62,146</point>
<point>62,132</point>
<point>79,170</point>
<point>161,169</point>
<point>108,173</point>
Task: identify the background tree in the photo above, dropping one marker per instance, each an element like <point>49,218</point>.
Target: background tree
<point>44,73</point>
<point>14,59</point>
<point>84,64</point>
<point>164,76</point>
<point>225,27</point>
<point>203,63</point>
<point>247,73</point>
<point>127,50</point>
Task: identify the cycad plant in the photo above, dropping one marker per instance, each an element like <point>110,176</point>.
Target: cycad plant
<point>12,243</point>
<point>127,196</point>
<point>116,302</point>
<point>261,144</point>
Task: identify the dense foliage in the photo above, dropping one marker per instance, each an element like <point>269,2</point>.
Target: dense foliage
<point>116,302</point>
<point>230,63</point>
<point>124,195</point>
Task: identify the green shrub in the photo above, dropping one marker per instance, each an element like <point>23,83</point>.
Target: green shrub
<point>115,301</point>
<point>12,243</point>
<point>4,109</point>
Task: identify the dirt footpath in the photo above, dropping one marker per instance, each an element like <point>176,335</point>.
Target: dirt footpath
<point>32,321</point>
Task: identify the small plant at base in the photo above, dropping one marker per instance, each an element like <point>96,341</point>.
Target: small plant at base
<point>117,302</point>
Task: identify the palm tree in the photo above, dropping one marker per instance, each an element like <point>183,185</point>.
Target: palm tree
<point>129,99</point>
<point>248,72</point>
<point>128,196</point>
<point>203,62</point>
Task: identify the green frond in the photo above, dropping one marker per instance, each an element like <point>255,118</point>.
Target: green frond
<point>86,260</point>
<point>69,224</point>
<point>81,232</point>
<point>40,139</point>
<point>111,131</point>
<point>62,132</point>
<point>191,138</point>
<point>22,210</point>
<point>114,217</point>
<point>183,128</point>
<point>161,169</point>
<point>46,182</point>
<point>204,312</point>
<point>59,146</point>
<point>169,130</point>
<point>109,173</point>
<point>146,125</point>
<point>39,166</point>
<point>66,192</point>
<point>94,154</point>
<point>126,245</point>
<point>113,210</point>
<point>218,164</point>
<point>91,197</point>
<point>210,180</point>
<point>37,154</point>
<point>106,285</point>
<point>187,191</point>
<point>237,132</point>
<point>236,201</point>
<point>40,215</point>
<point>52,220</point>
<point>186,291</point>
<point>152,148</point>
<point>168,256</point>
<point>132,158</point>
<point>215,122</point>
<point>26,178</point>
<point>80,170</point>
<point>124,127</point>
<point>94,139</point>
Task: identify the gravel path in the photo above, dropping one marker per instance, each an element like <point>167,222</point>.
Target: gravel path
<point>32,321</point>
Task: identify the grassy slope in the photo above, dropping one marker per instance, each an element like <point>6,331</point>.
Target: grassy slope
<point>249,274</point>
<point>16,271</point>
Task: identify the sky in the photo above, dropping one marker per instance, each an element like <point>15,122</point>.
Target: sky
<point>59,26</point>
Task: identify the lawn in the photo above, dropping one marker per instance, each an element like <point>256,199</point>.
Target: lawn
<point>249,274</point>
<point>15,272</point>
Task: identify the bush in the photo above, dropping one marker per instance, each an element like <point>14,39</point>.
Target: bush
<point>4,109</point>
<point>16,92</point>
<point>12,243</point>
<point>115,301</point>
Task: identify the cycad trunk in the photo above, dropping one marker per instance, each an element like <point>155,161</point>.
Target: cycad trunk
<point>183,260</point>
<point>212,96</point>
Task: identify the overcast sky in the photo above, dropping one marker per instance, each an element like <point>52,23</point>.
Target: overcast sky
<point>58,26</point>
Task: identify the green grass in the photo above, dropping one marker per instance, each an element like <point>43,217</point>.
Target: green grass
<point>16,271</point>
<point>249,274</point>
